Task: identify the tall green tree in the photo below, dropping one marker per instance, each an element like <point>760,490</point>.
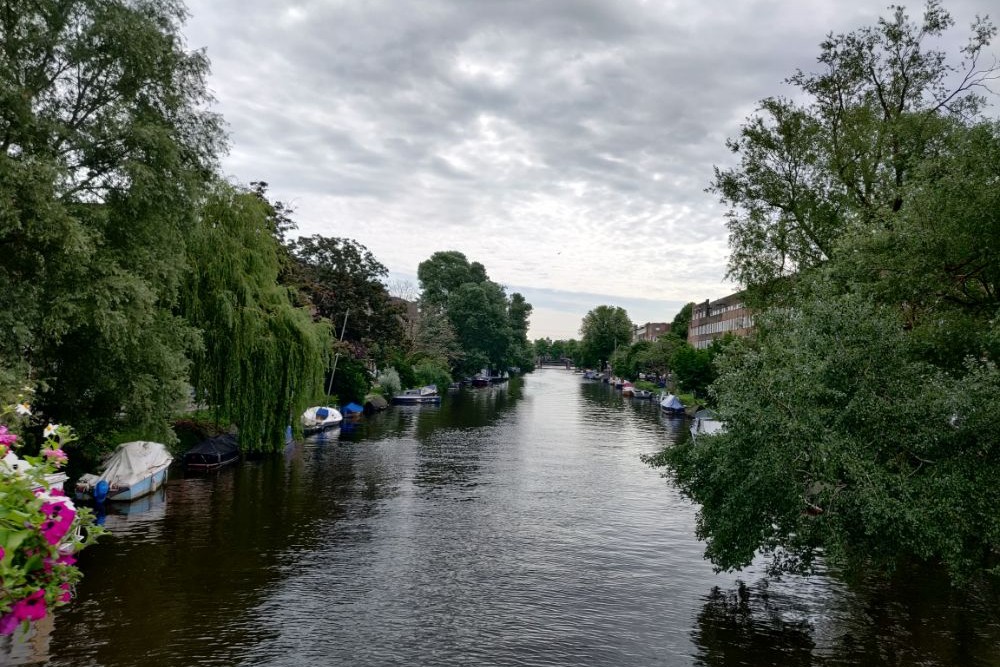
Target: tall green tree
<point>602,331</point>
<point>262,359</point>
<point>478,312</point>
<point>860,421</point>
<point>811,172</point>
<point>681,322</point>
<point>444,272</point>
<point>341,277</point>
<point>105,147</point>
<point>840,442</point>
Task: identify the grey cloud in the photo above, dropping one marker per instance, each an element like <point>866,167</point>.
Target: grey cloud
<point>508,127</point>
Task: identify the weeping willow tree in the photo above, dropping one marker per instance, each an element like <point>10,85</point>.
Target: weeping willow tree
<point>262,359</point>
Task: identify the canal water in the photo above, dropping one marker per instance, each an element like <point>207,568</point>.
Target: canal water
<point>512,525</point>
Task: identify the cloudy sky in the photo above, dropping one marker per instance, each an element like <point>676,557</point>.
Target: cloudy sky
<point>565,144</point>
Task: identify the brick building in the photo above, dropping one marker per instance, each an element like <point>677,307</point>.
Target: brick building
<point>714,319</point>
<point>649,331</point>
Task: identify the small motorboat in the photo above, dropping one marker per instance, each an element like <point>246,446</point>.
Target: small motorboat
<point>423,395</point>
<point>671,405</point>
<point>353,412</point>
<point>319,418</point>
<point>213,453</point>
<point>643,394</point>
<point>133,470</point>
<point>628,389</point>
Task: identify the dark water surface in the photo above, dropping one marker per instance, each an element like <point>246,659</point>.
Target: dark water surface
<point>513,525</point>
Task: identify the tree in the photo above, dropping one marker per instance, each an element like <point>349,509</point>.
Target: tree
<point>478,312</point>
<point>808,173</point>
<point>105,148</point>
<point>444,273</point>
<point>839,441</point>
<point>262,360</point>
<point>603,329</point>
<point>341,277</point>
<point>491,330</point>
<point>681,322</point>
<point>860,420</point>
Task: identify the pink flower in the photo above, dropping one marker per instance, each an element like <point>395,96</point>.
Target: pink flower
<point>31,608</point>
<point>6,437</point>
<point>61,515</point>
<point>67,595</point>
<point>8,624</point>
<point>2,553</point>
<point>56,455</point>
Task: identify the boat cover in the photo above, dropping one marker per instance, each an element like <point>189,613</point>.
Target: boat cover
<point>352,408</point>
<point>671,402</point>
<point>135,461</point>
<point>214,450</point>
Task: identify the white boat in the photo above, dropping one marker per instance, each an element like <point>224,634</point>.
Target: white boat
<point>133,470</point>
<point>643,394</point>
<point>672,405</point>
<point>628,389</point>
<point>319,418</point>
<point>428,394</point>
<point>706,422</point>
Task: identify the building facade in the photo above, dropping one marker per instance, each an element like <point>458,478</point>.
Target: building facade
<point>649,331</point>
<point>711,320</point>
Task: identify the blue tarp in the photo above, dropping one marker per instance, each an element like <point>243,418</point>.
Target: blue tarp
<point>352,407</point>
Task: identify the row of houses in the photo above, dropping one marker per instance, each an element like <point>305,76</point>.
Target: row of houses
<point>709,320</point>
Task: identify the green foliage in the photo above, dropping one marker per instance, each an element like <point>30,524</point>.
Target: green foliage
<point>694,369</point>
<point>444,273</point>
<point>861,421</point>
<point>430,371</point>
<point>839,442</point>
<point>263,360</point>
<point>810,173</point>
<point>341,277</point>
<point>478,312</point>
<point>103,155</point>
<point>390,382</point>
<point>351,381</point>
<point>681,322</point>
<point>467,319</point>
<point>603,330</point>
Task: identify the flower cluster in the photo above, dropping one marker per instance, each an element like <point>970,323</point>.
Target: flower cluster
<point>41,529</point>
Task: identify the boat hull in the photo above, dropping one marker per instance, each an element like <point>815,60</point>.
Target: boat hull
<point>416,400</point>
<point>143,487</point>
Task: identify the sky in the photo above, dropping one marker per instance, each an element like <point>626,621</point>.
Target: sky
<point>564,144</point>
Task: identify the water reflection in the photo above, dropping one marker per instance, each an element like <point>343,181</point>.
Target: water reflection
<point>512,525</point>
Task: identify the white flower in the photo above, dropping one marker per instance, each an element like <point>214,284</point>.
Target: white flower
<point>23,408</point>
<point>50,430</point>
<point>11,464</point>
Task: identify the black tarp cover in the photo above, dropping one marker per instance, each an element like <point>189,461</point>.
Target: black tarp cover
<point>214,451</point>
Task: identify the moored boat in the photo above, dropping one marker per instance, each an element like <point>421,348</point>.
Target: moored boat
<point>628,389</point>
<point>706,422</point>
<point>423,395</point>
<point>213,453</point>
<point>319,418</point>
<point>671,405</point>
<point>134,470</point>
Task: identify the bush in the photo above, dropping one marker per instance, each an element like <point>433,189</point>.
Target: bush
<point>389,381</point>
